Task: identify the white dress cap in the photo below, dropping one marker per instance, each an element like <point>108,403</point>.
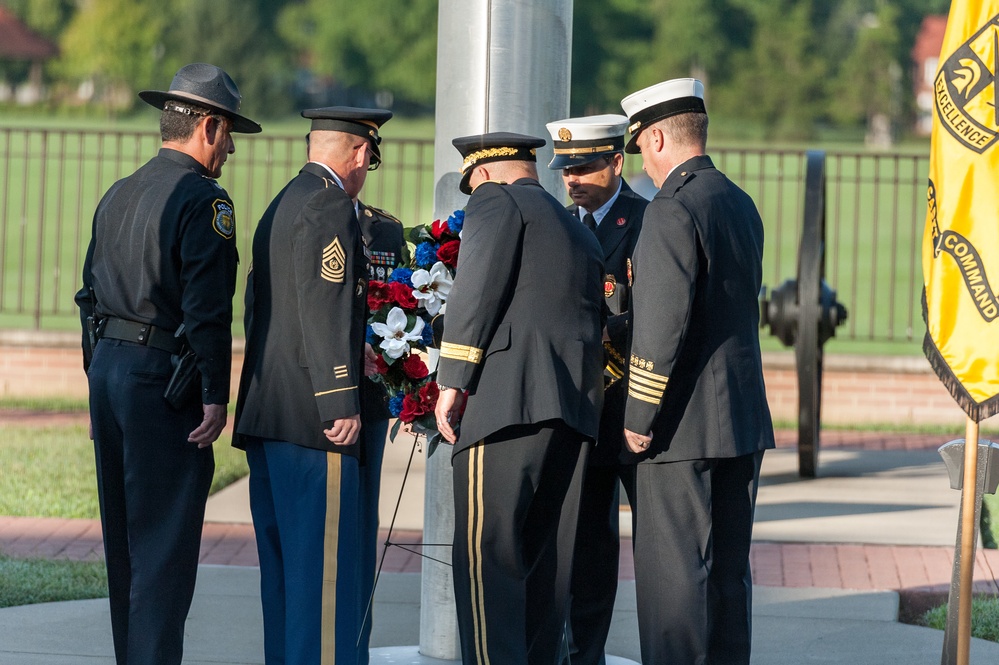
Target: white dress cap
<point>659,101</point>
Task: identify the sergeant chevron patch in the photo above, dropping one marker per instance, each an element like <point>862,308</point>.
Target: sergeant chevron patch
<point>334,262</point>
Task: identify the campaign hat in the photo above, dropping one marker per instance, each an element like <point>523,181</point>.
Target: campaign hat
<point>363,122</point>
<point>494,147</point>
<point>662,100</point>
<point>581,140</point>
<point>206,86</point>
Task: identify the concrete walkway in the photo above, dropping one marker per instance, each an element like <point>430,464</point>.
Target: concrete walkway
<point>830,558</point>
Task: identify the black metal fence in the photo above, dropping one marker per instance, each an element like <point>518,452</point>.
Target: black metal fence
<point>51,181</point>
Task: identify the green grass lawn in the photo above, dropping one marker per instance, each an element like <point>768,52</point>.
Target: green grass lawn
<point>984,618</point>
<point>49,472</point>
<point>29,581</point>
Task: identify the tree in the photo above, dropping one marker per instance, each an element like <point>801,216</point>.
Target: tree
<point>780,81</point>
<point>377,45</point>
<point>113,44</point>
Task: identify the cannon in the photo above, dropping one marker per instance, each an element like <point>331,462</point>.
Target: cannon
<point>804,313</point>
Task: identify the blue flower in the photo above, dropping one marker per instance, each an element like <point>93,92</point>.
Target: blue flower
<point>403,276</point>
<point>425,254</point>
<point>371,337</point>
<point>395,404</point>
<point>456,221</point>
<point>428,336</point>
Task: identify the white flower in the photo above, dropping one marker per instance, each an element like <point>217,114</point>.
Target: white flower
<point>395,337</point>
<point>431,288</point>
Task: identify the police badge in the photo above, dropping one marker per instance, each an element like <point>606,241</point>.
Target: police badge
<point>224,218</point>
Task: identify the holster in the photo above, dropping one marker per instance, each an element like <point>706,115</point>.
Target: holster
<point>183,384</point>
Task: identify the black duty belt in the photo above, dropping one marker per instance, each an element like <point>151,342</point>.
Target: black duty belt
<point>142,333</point>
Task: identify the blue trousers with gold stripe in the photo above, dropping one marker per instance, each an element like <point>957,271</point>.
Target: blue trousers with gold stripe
<point>305,507</point>
<point>516,501</point>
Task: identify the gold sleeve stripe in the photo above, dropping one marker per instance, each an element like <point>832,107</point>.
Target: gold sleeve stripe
<point>647,385</point>
<point>651,377</point>
<point>461,352</point>
<point>614,370</point>
<point>644,398</point>
<point>645,390</point>
<point>340,371</point>
<point>336,390</point>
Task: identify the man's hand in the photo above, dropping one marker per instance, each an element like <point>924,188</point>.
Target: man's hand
<point>344,431</point>
<point>370,368</point>
<point>637,443</point>
<point>211,425</point>
<point>449,408</point>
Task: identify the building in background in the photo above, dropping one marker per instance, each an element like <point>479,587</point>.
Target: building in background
<point>22,52</point>
<point>925,59</point>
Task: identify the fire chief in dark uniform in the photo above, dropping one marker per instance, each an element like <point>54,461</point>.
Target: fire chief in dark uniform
<point>158,282</point>
<point>522,337</point>
<point>696,408</point>
<point>589,151</point>
<point>299,410</point>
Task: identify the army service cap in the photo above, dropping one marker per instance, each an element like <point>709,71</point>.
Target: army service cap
<point>493,147</point>
<point>352,120</point>
<point>582,140</point>
<point>206,86</point>
<point>662,100</point>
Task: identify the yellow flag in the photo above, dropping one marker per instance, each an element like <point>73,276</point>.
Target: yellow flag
<point>961,240</point>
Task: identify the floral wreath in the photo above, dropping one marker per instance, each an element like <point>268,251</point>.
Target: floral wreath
<point>399,327</point>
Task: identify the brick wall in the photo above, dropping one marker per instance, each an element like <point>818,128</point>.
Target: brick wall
<point>855,389</point>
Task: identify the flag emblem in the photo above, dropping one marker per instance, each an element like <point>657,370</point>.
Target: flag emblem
<point>965,90</point>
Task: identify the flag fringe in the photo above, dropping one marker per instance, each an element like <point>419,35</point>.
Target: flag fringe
<point>977,411</point>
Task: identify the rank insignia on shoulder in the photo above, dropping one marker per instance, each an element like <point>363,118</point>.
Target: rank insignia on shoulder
<point>610,284</point>
<point>334,262</point>
<point>224,218</point>
<point>381,213</point>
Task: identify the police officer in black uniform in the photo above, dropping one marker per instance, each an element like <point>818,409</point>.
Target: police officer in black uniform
<point>589,151</point>
<point>522,337</point>
<point>298,415</point>
<point>697,407</point>
<point>158,282</point>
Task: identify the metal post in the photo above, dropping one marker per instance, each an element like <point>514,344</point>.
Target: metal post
<point>502,65</point>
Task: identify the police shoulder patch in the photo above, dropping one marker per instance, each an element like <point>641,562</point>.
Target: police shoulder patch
<point>224,218</point>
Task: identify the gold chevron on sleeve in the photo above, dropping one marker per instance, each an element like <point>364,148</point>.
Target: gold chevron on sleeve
<point>463,352</point>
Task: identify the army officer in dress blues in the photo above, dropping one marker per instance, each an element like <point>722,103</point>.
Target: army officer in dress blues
<point>697,408</point>
<point>589,151</point>
<point>299,410</point>
<point>522,339</point>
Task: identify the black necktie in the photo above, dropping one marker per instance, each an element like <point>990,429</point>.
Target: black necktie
<point>589,222</point>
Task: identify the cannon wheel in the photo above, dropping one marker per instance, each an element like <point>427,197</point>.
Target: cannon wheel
<point>808,348</point>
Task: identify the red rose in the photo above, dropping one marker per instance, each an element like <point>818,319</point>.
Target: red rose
<point>402,295</point>
<point>379,294</point>
<point>448,253</point>
<point>429,394</point>
<point>380,365</point>
<point>412,409</point>
<point>414,367</point>
<point>438,228</point>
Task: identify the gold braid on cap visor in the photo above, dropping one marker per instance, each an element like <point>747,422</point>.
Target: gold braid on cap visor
<point>488,152</point>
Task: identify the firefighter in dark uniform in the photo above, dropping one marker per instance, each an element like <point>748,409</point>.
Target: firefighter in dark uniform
<point>298,415</point>
<point>158,281</point>
<point>589,151</point>
<point>385,239</point>
<point>522,339</point>
<point>696,409</point>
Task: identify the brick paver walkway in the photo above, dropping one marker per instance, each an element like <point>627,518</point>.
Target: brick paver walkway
<point>846,566</point>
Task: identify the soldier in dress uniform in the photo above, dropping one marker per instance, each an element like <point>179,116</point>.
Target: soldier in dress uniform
<point>589,151</point>
<point>697,409</point>
<point>522,341</point>
<point>298,415</point>
<point>158,281</point>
